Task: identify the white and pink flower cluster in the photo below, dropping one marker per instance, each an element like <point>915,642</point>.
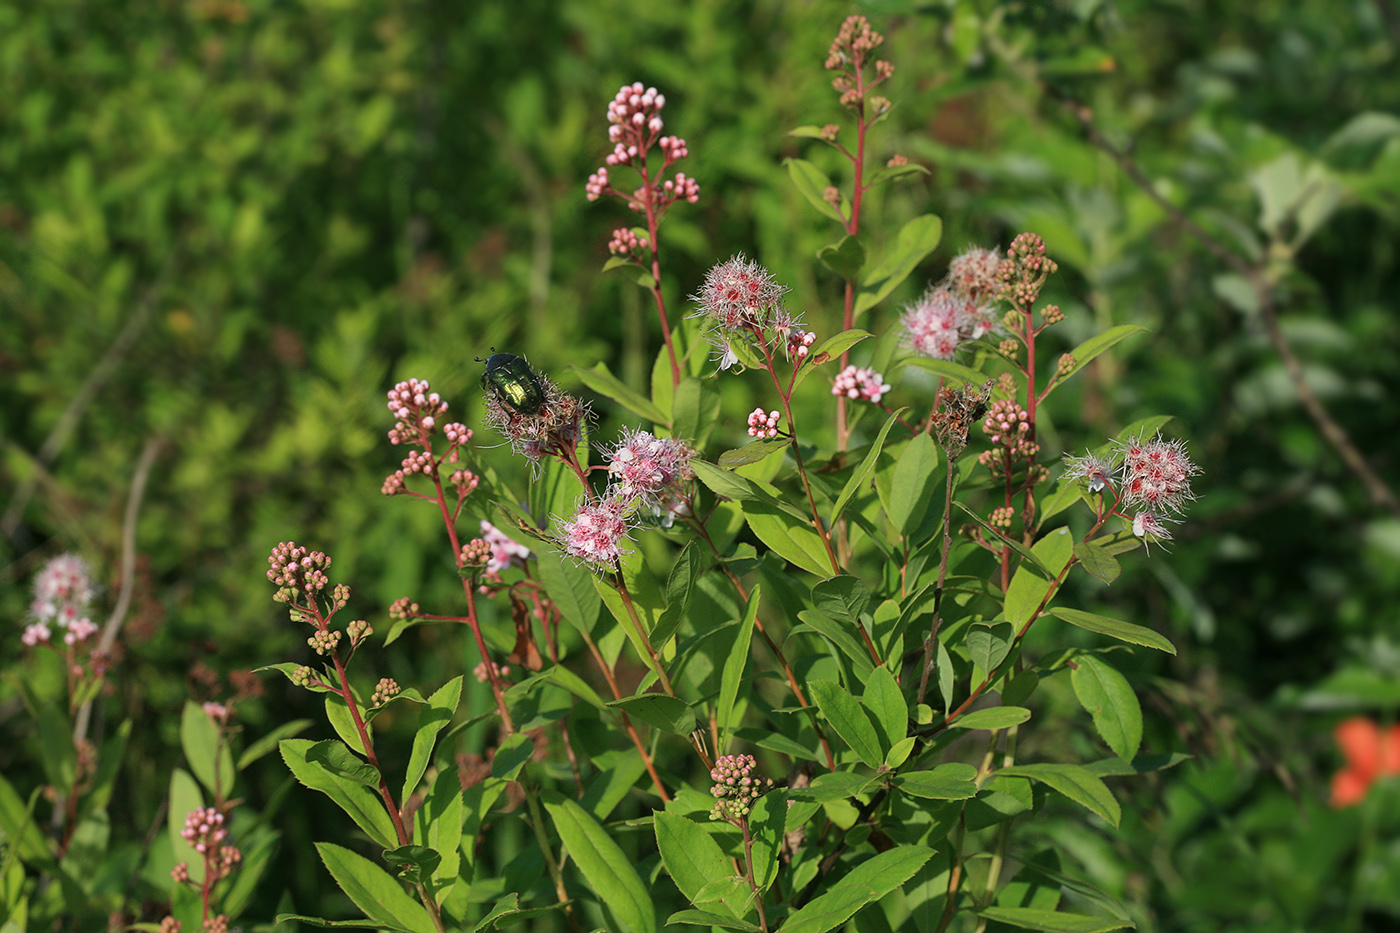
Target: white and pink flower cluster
<point>857,382</point>
<point>744,305</point>
<point>1153,477</point>
<point>644,470</point>
<point>957,310</point>
<point>63,591</point>
<point>204,830</point>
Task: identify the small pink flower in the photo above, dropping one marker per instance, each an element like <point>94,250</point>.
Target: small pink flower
<point>504,550</point>
<point>931,324</point>
<point>216,711</point>
<point>763,425</point>
<point>739,293</point>
<point>35,634</point>
<point>1156,474</point>
<point>855,382</point>
<point>80,631</point>
<point>650,468</point>
<point>416,407</point>
<point>973,273</point>
<point>595,535</point>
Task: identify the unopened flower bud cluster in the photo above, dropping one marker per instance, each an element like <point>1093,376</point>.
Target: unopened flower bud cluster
<point>763,424</point>
<point>636,128</point>
<point>737,785</point>
<point>856,382</point>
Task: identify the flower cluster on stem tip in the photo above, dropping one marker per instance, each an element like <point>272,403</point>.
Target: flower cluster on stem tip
<point>743,304</point>
<point>848,55</point>
<point>636,125</point>
<point>856,382</point>
<point>63,593</point>
<point>384,691</point>
<point>417,411</point>
<point>297,573</point>
<point>204,831</point>
<point>651,469</point>
<point>763,424</point>
<point>504,550</point>
<point>1152,477</point>
<point>737,785</point>
<point>554,429</point>
<point>595,534</point>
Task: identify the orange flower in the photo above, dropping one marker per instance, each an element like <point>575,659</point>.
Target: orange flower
<point>1370,754</point>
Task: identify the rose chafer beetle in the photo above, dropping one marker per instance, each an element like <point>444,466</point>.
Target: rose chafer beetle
<point>511,381</point>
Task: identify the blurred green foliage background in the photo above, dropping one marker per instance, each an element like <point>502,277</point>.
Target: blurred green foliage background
<point>227,227</point>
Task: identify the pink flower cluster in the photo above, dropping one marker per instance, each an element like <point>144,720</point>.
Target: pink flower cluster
<point>1008,425</point>
<point>856,382</point>
<point>635,115</point>
<point>739,294</point>
<point>763,424</point>
<point>504,550</point>
<point>596,532</point>
<point>63,591</point>
<point>651,469</point>
<point>957,310</point>
<point>204,830</point>
<point>625,242</point>
<point>296,572</point>
<point>737,786</point>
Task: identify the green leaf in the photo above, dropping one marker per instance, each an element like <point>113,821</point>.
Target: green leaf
<point>374,891</point>
<point>363,806</point>
<point>601,380</point>
<point>832,347</point>
<point>1075,782</point>
<point>767,825</point>
<point>838,634</point>
<point>988,643</point>
<point>1106,695</point>
<point>431,719</point>
<point>703,918</point>
<point>733,671</point>
<point>688,567</point>
<point>811,131</point>
<point>812,183</point>
<point>844,257</point>
<point>692,857</point>
<point>834,785</point>
<point>571,682</point>
<point>695,410</point>
<point>439,826</point>
<point>891,172</point>
<point>848,719</point>
<point>842,599</point>
<point>608,870</point>
<point>914,480</point>
<point>659,710</point>
<point>753,453</point>
<point>209,758</point>
<point>571,589</point>
<point>994,717</point>
<point>957,372</point>
<point>790,538</point>
<point>868,882</point>
<point>415,864</point>
<point>724,482</point>
<point>508,910</point>
<point>513,754</point>
<point>916,239</point>
<point>1095,559</point>
<point>1123,631</point>
<point>335,757</point>
<point>344,724</point>
<point>1024,596</point>
<point>889,713</point>
<point>1089,349</point>
<point>862,473</point>
<point>22,835</point>
<point>1031,918</point>
<point>952,780</point>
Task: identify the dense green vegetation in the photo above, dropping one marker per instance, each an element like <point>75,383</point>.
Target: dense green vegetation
<point>227,228</point>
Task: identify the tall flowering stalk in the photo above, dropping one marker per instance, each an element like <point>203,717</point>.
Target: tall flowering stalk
<point>636,132</point>
<point>857,73</point>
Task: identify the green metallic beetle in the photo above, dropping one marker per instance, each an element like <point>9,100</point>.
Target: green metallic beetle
<point>511,381</point>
